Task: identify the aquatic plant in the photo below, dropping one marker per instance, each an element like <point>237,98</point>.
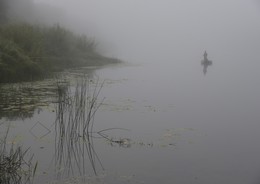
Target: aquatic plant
<point>75,110</point>
<point>16,167</point>
<point>122,142</point>
<point>22,100</point>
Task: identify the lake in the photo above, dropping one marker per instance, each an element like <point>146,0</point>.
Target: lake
<point>164,115</point>
<point>157,122</point>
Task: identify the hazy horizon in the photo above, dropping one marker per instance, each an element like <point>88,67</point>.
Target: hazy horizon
<point>146,31</point>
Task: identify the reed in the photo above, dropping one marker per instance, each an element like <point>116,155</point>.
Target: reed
<point>16,167</point>
<point>75,112</point>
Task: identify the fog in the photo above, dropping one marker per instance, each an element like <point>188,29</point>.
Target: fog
<point>188,123</point>
<point>157,31</point>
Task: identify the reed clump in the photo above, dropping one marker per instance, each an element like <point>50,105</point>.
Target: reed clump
<point>76,109</point>
<point>16,166</point>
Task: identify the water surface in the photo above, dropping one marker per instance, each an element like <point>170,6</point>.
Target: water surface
<point>182,126</point>
<point>164,119</point>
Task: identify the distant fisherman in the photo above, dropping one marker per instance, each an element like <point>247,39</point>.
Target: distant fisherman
<point>205,62</point>
<point>205,56</point>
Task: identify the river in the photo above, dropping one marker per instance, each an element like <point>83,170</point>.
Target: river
<point>159,117</point>
<point>178,125</point>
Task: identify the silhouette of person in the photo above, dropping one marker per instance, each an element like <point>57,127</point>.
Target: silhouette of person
<point>205,62</point>
<point>205,56</point>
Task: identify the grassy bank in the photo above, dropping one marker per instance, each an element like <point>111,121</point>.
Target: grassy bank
<point>29,52</point>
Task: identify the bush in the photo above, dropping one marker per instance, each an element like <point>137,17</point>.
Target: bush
<point>28,52</point>
<point>15,65</point>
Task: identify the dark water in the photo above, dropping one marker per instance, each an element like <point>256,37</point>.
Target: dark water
<point>181,126</point>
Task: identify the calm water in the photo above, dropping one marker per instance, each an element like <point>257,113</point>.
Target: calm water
<point>164,120</point>
<point>182,126</point>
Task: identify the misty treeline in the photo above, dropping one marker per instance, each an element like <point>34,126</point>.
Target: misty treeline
<point>31,51</point>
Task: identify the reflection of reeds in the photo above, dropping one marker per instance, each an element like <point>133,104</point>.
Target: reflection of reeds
<point>74,124</point>
<point>14,167</point>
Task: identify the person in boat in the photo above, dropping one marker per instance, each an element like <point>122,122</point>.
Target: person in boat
<point>205,61</point>
<point>205,56</point>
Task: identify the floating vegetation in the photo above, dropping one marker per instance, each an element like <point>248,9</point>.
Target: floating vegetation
<point>16,166</point>
<point>100,179</point>
<point>122,142</point>
<point>109,82</point>
<point>175,136</point>
<point>21,100</point>
<point>128,104</point>
<point>116,107</point>
<point>169,138</point>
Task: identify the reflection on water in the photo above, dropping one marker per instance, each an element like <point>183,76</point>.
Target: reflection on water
<point>178,133</point>
<point>112,141</point>
<point>74,145</point>
<point>169,138</point>
<point>22,100</point>
<point>205,63</point>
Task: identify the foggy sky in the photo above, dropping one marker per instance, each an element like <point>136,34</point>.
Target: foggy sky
<point>153,30</point>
